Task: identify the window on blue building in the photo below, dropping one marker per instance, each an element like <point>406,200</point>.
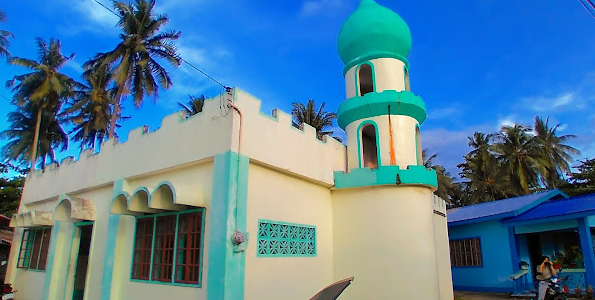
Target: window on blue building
<point>465,253</point>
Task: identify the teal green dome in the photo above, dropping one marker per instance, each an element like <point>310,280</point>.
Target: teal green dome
<point>373,31</point>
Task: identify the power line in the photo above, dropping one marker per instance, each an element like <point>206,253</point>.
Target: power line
<point>187,62</point>
<point>591,5</point>
<point>113,12</point>
<point>5,97</point>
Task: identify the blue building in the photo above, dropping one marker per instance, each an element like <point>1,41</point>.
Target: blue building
<point>496,246</point>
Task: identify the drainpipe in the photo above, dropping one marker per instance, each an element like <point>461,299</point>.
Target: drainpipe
<point>237,237</point>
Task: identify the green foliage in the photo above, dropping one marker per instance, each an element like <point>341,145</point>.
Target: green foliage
<point>39,94</point>
<point>21,131</point>
<point>133,62</point>
<point>583,181</point>
<point>10,190</point>
<point>319,118</point>
<point>4,35</point>
<point>193,106</point>
<point>516,160</point>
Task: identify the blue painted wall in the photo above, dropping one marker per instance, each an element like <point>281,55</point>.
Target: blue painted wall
<point>496,257</point>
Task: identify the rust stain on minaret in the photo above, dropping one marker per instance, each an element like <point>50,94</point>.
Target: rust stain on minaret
<point>393,160</point>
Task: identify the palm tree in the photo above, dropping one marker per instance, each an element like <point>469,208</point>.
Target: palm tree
<point>92,109</point>
<point>320,119</point>
<point>25,126</point>
<point>486,181</point>
<point>4,35</point>
<point>519,152</point>
<point>480,143</point>
<point>554,150</point>
<point>194,105</point>
<point>447,188</point>
<point>133,61</point>
<point>45,86</point>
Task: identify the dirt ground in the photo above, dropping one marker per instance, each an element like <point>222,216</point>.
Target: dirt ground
<point>484,296</point>
<point>480,296</point>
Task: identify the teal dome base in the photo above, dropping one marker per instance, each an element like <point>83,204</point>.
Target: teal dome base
<point>386,175</point>
<point>371,30</point>
<point>376,104</point>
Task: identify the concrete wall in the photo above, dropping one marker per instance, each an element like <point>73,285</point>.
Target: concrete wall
<point>177,142</point>
<point>442,249</point>
<point>274,141</point>
<point>277,196</point>
<point>496,258</point>
<point>385,238</point>
<point>404,141</point>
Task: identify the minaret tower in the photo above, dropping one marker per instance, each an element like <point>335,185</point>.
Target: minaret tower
<point>389,233</point>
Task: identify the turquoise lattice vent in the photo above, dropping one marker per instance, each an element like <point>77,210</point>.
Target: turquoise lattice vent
<point>279,239</point>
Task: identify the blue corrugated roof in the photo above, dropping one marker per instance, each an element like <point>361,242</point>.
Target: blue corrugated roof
<point>560,207</point>
<point>505,207</point>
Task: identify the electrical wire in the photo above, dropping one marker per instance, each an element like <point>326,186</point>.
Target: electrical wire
<point>185,61</point>
<point>5,97</point>
<point>591,5</point>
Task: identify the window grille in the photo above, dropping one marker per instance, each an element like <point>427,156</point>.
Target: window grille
<point>169,244</point>
<point>466,253</point>
<point>34,248</point>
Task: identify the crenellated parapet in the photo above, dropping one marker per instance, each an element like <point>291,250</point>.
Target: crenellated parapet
<point>182,140</point>
<point>439,206</point>
<point>271,139</point>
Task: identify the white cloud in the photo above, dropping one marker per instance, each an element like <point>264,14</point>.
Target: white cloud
<point>506,121</point>
<point>560,101</point>
<point>75,66</point>
<point>97,14</point>
<point>313,7</point>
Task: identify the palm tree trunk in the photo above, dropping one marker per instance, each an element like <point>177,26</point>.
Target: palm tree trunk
<point>112,125</point>
<point>36,138</point>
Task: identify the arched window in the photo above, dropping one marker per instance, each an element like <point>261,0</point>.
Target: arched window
<point>407,86</point>
<point>420,159</point>
<point>369,147</point>
<point>366,83</point>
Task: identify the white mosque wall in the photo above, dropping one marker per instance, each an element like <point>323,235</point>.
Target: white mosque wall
<point>404,141</point>
<point>274,141</point>
<point>384,233</point>
<point>177,142</point>
<point>442,249</point>
<point>281,197</point>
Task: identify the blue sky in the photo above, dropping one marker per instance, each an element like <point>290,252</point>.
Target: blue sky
<point>477,64</point>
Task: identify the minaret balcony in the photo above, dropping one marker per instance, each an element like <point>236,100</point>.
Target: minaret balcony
<point>377,104</point>
<point>387,175</point>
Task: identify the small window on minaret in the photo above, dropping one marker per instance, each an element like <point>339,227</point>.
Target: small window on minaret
<point>420,159</point>
<point>369,147</point>
<point>407,86</point>
<point>366,84</point>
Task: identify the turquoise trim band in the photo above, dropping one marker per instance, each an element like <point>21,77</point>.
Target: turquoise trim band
<point>110,253</point>
<point>360,150</point>
<point>50,260</point>
<point>374,55</point>
<point>227,213</point>
<point>386,175</point>
<point>111,240</point>
<point>376,104</point>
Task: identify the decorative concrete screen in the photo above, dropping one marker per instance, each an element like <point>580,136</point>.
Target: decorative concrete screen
<point>279,239</point>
